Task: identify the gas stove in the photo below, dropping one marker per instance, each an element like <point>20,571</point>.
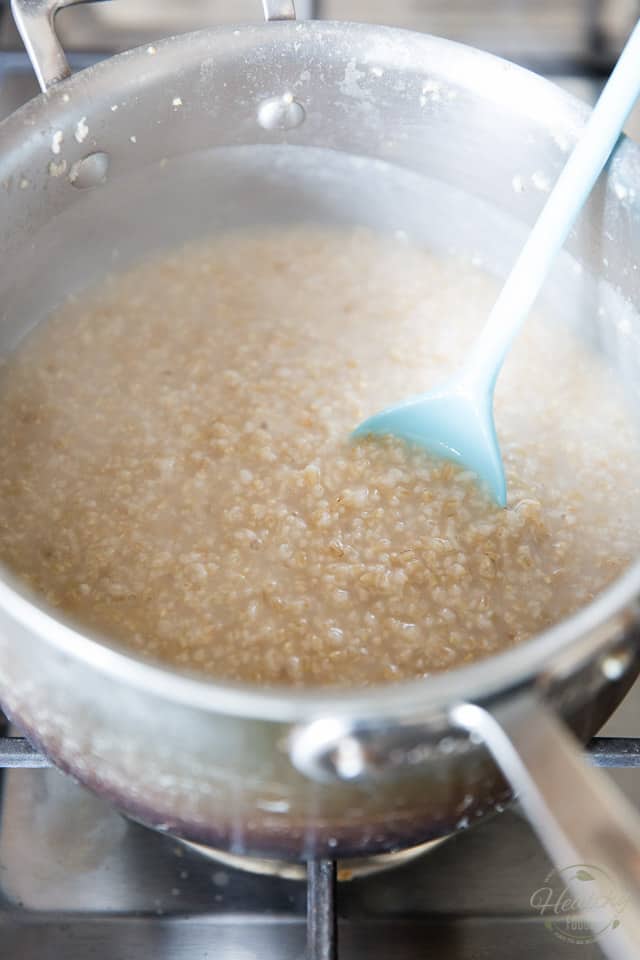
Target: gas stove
<point>78,880</point>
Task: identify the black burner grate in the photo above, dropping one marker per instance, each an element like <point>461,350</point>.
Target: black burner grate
<point>17,752</point>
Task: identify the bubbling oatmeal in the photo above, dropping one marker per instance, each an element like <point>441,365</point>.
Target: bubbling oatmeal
<point>178,474</point>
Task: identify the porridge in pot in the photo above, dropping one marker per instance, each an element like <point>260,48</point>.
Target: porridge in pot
<point>178,474</point>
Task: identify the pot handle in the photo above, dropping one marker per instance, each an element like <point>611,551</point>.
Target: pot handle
<point>585,823</point>
<point>35,20</point>
<point>579,815</point>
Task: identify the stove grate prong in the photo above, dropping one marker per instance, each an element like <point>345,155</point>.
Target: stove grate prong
<point>322,924</point>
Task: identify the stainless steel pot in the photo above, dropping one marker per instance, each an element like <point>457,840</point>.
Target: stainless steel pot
<point>335,123</point>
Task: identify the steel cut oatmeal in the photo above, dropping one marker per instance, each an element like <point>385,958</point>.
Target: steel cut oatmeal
<point>178,475</point>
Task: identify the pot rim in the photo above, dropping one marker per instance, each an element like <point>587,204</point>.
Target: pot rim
<point>477,682</point>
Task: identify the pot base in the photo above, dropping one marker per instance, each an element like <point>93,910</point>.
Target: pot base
<point>348,869</point>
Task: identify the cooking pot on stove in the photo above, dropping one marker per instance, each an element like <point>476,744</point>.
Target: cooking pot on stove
<point>334,123</point>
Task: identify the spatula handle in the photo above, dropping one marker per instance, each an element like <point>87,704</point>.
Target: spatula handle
<point>559,213</point>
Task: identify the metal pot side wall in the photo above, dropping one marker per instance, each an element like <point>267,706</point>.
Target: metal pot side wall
<point>465,121</point>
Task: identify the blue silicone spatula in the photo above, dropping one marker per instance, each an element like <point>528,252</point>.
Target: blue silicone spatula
<point>456,420</point>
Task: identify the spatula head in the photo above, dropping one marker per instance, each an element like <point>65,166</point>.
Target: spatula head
<point>454,422</point>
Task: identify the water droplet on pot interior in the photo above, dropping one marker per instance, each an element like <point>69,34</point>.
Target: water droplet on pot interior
<point>91,171</point>
<point>281,113</point>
